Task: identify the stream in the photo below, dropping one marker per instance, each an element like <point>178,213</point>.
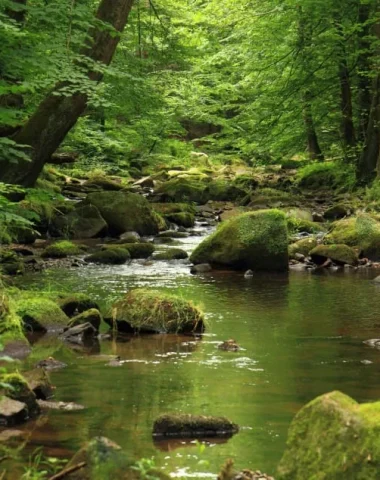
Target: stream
<point>301,335</point>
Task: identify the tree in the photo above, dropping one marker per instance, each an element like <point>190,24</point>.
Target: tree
<point>59,111</point>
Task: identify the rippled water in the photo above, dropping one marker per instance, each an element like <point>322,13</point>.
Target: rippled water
<point>301,336</point>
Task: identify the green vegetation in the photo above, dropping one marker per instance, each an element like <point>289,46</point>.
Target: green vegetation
<point>39,313</point>
<point>62,249</point>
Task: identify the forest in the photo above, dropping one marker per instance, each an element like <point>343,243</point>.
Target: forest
<point>189,239</point>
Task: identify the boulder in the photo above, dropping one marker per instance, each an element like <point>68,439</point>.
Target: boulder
<point>333,438</point>
<point>125,212</point>
<point>92,316</point>
<point>168,208</point>
<point>201,268</point>
<point>136,250</point>
<point>339,254</point>
<point>362,231</point>
<point>40,314</point>
<point>75,303</point>
<point>303,247</point>
<point>254,240</point>
<point>130,237</point>
<point>172,234</point>
<point>150,311</point>
<point>83,334</point>
<point>16,387</point>
<point>101,182</point>
<point>61,249</point>
<point>83,222</point>
<point>40,384</point>
<point>171,254</point>
<point>193,426</point>
<point>111,256</point>
<point>337,212</point>
<point>183,219</point>
<point>182,190</point>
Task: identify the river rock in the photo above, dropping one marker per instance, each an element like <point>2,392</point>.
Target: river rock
<point>201,268</point>
<point>302,247</point>
<point>110,256</point>
<point>254,240</point>
<point>229,345</point>
<point>248,274</point>
<point>12,412</point>
<point>340,254</point>
<point>40,384</point>
<point>151,311</point>
<point>50,363</point>
<point>171,254</point>
<point>333,438</point>
<point>17,388</point>
<point>75,303</point>
<point>92,316</point>
<point>126,212</point>
<point>41,314</point>
<point>82,334</point>
<point>193,426</point>
<point>84,221</point>
<point>337,212</point>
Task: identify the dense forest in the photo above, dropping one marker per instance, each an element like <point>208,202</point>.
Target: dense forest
<point>174,173</point>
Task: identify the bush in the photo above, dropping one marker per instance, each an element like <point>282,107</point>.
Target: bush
<point>329,175</point>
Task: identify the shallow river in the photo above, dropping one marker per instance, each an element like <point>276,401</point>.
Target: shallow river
<point>301,335</point>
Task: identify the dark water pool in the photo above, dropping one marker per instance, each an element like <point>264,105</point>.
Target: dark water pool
<point>301,336</point>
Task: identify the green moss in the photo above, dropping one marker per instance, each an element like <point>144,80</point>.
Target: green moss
<point>83,222</point>
<point>172,254</point>
<point>362,231</point>
<point>17,388</point>
<point>254,240</point>
<point>126,212</point>
<point>39,313</point>
<point>302,247</point>
<point>341,254</point>
<point>11,328</point>
<point>145,310</point>
<point>167,208</point>
<point>296,225</point>
<point>92,316</point>
<point>270,197</point>
<point>190,426</point>
<point>74,303</point>
<point>104,183</point>
<point>61,249</point>
<point>136,250</point>
<point>111,256</point>
<point>224,191</point>
<point>327,175</point>
<point>183,219</point>
<point>182,190</point>
<point>332,438</point>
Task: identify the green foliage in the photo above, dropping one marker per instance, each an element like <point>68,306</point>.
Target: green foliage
<point>61,249</point>
<point>327,175</point>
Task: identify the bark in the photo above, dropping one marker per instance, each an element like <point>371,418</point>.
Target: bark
<point>313,146</point>
<point>57,114</point>
<point>363,71</point>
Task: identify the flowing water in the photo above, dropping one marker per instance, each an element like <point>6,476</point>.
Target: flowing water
<point>301,336</point>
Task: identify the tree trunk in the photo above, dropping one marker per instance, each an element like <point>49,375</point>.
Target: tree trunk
<point>363,71</point>
<point>315,152</point>
<point>57,114</point>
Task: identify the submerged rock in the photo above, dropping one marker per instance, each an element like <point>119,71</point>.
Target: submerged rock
<point>92,316</point>
<point>83,334</point>
<point>40,384</point>
<point>65,406</point>
<point>331,438</point>
<point>201,268</point>
<point>254,240</point>
<point>196,426</point>
<point>229,345</point>
<point>151,311</point>
<point>50,364</point>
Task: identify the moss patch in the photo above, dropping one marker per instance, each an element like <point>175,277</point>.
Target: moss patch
<point>302,247</point>
<point>332,438</point>
<point>92,316</point>
<point>193,426</point>
<point>40,314</point>
<point>61,249</point>
<point>172,254</point>
<point>136,250</point>
<point>143,310</point>
<point>110,256</point>
<point>180,190</point>
<point>168,208</point>
<point>183,219</point>
<point>340,254</point>
<point>254,240</point>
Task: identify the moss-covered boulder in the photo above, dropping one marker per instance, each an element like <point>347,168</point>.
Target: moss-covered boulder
<point>39,383</point>
<point>10,262</point>
<point>136,250</point>
<point>172,254</point>
<point>92,316</point>
<point>303,246</point>
<point>223,191</point>
<point>110,256</point>
<point>180,190</point>
<point>337,212</point>
<point>101,182</point>
<point>183,219</point>
<point>340,254</point>
<point>11,328</point>
<point>168,208</point>
<point>254,240</point>
<point>173,234</point>
<point>193,426</point>
<point>61,249</point>
<point>297,225</point>
<point>16,387</point>
<point>126,212</point>
<point>83,222</point>
<point>40,314</point>
<point>150,311</point>
<point>333,438</point>
<point>362,231</point>
<point>75,303</point>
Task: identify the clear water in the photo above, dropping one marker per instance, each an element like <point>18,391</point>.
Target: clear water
<point>301,336</point>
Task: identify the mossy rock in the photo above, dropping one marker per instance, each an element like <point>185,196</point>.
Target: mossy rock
<point>182,219</point>
<point>193,426</point>
<point>92,316</point>
<point>362,231</point>
<point>111,256</point>
<point>254,240</point>
<point>333,438</point>
<point>75,303</point>
<point>126,212</point>
<point>246,182</point>
<point>61,249</point>
<point>300,214</point>
<point>17,388</point>
<point>83,222</point>
<point>151,311</point>
<point>40,314</point>
<point>180,190</point>
<point>337,212</point>
<point>340,254</point>
<point>136,250</point>
<point>223,191</point>
<point>10,262</point>
<point>11,328</point>
<point>39,383</point>
<point>172,234</point>
<point>171,254</point>
<point>297,225</point>
<point>302,247</point>
<point>168,208</point>
<point>103,183</point>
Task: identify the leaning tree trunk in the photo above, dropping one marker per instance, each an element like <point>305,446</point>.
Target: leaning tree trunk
<point>57,114</point>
